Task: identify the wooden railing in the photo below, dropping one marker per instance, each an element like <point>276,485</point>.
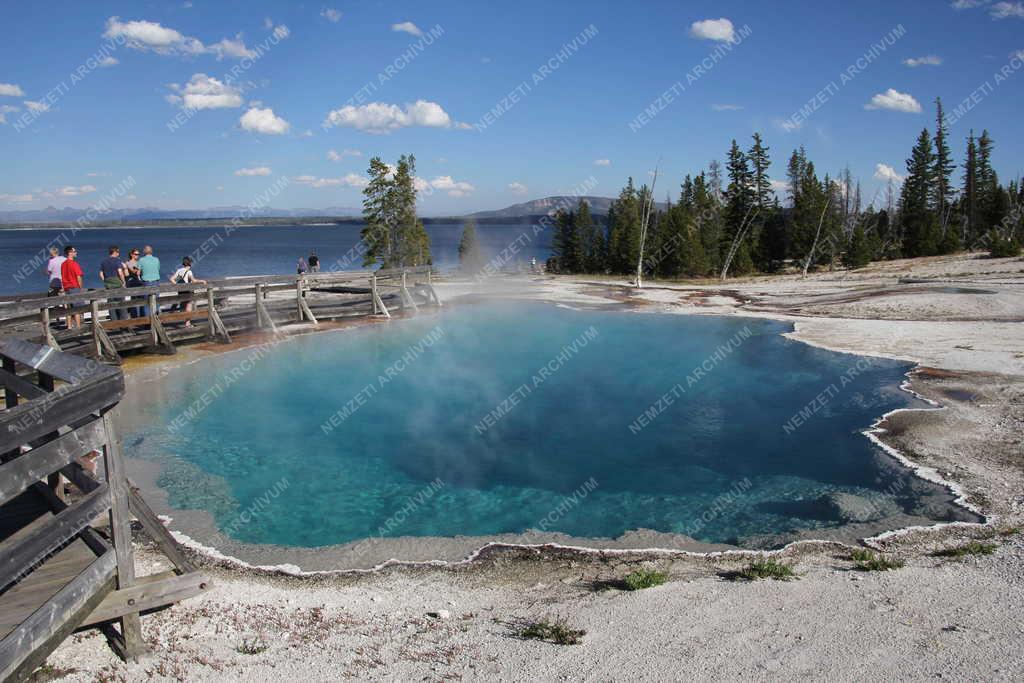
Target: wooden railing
<point>219,305</point>
<point>57,572</point>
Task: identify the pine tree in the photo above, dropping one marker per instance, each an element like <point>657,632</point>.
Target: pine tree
<point>858,254</point>
<point>624,231</point>
<point>759,163</point>
<point>970,191</point>
<point>564,243</point>
<point>739,207</point>
<point>586,238</point>
<point>919,227</point>
<point>707,211</point>
<point>943,167</point>
<point>393,235</point>
<point>377,214</point>
<point>988,186</point>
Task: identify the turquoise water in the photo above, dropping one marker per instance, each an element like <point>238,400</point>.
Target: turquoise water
<point>436,447</point>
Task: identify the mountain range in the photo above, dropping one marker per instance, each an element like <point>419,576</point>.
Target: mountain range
<point>137,216</point>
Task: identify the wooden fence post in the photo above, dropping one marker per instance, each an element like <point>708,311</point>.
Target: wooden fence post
<point>373,291</point>
<point>48,337</point>
<point>152,325</point>
<point>94,308</point>
<point>120,528</point>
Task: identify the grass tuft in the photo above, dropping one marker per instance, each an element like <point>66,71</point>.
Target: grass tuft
<point>252,647</point>
<point>766,569</point>
<point>972,548</point>
<point>48,672</point>
<point>868,561</point>
<point>557,632</point>
<point>644,578</point>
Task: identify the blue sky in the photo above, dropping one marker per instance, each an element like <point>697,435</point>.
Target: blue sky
<point>247,120</point>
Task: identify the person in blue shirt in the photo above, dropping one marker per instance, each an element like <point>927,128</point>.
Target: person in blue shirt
<point>149,269</point>
<point>112,275</point>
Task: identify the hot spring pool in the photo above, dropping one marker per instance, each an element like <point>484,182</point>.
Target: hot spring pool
<point>498,419</point>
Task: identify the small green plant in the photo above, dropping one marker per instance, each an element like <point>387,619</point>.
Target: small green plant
<point>48,672</point>
<point>252,647</point>
<point>557,632</point>
<point>972,548</point>
<point>644,578</point>
<point>868,561</point>
<point>767,569</point>
<point>861,555</point>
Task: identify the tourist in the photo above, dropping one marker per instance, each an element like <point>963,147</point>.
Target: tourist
<point>149,271</point>
<point>301,266</point>
<point>112,275</point>
<point>72,280</point>
<point>184,276</point>
<point>53,272</point>
<point>314,262</point>
<point>133,278</point>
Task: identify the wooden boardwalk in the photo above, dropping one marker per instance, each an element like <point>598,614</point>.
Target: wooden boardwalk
<point>66,560</point>
<point>221,308</point>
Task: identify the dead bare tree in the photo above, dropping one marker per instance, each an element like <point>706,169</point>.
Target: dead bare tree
<point>738,239</point>
<point>648,207</point>
<point>814,245</point>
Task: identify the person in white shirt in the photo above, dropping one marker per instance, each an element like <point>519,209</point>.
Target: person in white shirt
<point>185,276</point>
<point>53,272</point>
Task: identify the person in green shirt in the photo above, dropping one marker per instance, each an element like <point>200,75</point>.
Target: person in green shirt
<point>149,268</point>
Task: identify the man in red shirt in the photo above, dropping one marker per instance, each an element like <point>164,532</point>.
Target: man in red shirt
<point>71,276</point>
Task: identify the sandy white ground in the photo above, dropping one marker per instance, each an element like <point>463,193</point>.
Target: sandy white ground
<point>936,618</point>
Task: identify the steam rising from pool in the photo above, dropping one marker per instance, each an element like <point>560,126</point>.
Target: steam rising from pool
<point>529,419</point>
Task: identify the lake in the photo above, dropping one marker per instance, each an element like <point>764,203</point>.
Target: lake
<point>260,250</point>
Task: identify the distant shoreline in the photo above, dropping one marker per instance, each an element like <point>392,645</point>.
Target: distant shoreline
<point>310,221</point>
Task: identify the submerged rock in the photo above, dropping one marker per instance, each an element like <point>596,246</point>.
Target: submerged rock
<point>849,507</point>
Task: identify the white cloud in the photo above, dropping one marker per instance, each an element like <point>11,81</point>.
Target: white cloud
<point>264,121</point>
<point>206,92</point>
<point>16,198</point>
<point>896,101</point>
<point>347,180</point>
<point>109,61</point>
<point>232,48</point>
<point>602,162</point>
<point>518,188</point>
<point>887,173</point>
<point>462,125</point>
<point>37,107</point>
<point>255,171</point>
<point>74,191</point>
<point>330,14</point>
<point>780,187</point>
<point>335,155</point>
<point>153,37</point>
<point>407,27</point>
<point>713,29</point>
<point>726,107</point>
<point>968,4</point>
<point>927,60</point>
<point>379,117</point>
<point>11,90</point>
<point>1005,10</point>
<point>6,109</point>
<point>454,188</point>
